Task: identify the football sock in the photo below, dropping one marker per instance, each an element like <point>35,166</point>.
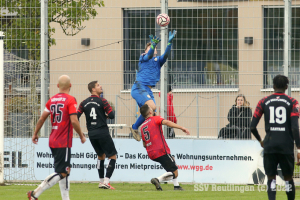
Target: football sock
<point>49,181</point>
<point>64,185</point>
<point>175,182</point>
<point>290,189</point>
<point>138,122</point>
<point>272,189</point>
<point>110,168</point>
<point>106,180</point>
<point>100,167</point>
<point>165,177</point>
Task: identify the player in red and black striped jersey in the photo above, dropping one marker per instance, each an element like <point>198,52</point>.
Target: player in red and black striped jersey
<point>62,109</point>
<point>157,147</point>
<point>281,114</point>
<point>97,110</point>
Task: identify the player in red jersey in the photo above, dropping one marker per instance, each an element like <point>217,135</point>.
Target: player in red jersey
<point>63,110</point>
<point>157,147</point>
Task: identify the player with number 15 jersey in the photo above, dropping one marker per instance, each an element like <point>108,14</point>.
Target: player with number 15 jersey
<point>60,107</point>
<point>62,110</point>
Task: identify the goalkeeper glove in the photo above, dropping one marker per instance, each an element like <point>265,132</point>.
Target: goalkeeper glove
<point>154,41</point>
<point>171,36</point>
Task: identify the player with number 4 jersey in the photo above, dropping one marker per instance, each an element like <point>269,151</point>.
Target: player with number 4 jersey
<point>157,147</point>
<point>281,114</point>
<point>97,110</point>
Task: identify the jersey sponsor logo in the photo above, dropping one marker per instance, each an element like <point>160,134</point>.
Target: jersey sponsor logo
<point>278,99</point>
<point>277,128</point>
<point>148,96</point>
<point>55,127</point>
<point>155,59</point>
<point>58,99</point>
<point>146,122</point>
<point>92,103</point>
<point>93,123</point>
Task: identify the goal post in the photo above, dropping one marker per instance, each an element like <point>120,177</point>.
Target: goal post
<point>1,109</point>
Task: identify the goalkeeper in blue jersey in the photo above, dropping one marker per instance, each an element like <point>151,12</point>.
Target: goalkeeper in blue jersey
<point>147,77</point>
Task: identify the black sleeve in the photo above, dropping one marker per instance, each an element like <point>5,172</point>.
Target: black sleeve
<point>253,128</point>
<point>248,117</point>
<point>111,115</point>
<point>80,110</point>
<point>295,130</point>
<point>232,115</point>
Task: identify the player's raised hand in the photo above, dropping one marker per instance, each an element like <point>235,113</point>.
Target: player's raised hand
<point>186,131</point>
<point>82,138</point>
<point>154,40</point>
<point>172,36</point>
<point>298,159</point>
<point>35,139</point>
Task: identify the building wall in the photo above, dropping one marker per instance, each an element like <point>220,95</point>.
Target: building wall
<point>105,64</point>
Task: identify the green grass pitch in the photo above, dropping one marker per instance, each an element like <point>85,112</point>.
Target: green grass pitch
<point>90,191</point>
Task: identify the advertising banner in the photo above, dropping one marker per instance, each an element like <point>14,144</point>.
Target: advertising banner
<point>199,161</point>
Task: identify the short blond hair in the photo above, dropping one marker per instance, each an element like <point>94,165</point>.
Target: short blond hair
<point>147,45</point>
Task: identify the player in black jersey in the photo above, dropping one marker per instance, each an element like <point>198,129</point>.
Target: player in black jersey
<point>97,110</point>
<point>281,113</point>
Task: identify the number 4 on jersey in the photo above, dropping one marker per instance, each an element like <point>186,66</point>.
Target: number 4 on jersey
<point>93,113</point>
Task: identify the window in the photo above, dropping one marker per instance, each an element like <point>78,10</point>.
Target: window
<point>274,46</point>
<point>204,52</point>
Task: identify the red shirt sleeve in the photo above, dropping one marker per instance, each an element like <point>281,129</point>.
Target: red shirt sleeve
<point>295,109</point>
<point>47,107</point>
<point>259,110</point>
<point>72,106</point>
<point>158,120</point>
<point>107,107</point>
<point>80,108</point>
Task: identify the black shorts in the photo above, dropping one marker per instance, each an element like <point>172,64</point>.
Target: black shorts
<point>62,159</point>
<point>168,162</point>
<point>104,144</point>
<point>286,162</point>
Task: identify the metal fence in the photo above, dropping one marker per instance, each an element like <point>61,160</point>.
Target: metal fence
<point>222,49</point>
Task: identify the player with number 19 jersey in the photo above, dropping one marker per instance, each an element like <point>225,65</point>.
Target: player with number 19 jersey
<point>152,135</point>
<point>61,106</point>
<point>278,109</point>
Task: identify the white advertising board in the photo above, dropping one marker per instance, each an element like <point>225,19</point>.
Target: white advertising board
<point>199,161</point>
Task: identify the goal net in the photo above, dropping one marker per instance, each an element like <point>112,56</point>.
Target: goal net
<point>21,102</point>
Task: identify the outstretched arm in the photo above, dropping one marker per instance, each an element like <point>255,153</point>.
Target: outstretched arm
<point>154,41</point>
<point>173,125</point>
<point>163,58</point>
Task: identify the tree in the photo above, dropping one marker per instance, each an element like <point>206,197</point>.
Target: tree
<point>23,26</point>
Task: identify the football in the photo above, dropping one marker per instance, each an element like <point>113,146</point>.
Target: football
<point>162,20</point>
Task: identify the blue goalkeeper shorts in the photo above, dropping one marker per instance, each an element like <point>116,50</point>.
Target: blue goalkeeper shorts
<point>141,93</point>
